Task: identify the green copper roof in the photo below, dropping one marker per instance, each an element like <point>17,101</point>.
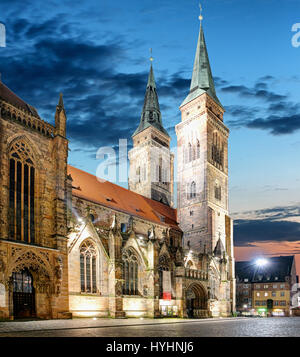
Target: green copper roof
<point>202,79</point>
<point>151,115</point>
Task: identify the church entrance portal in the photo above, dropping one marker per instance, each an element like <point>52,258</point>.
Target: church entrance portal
<point>23,295</point>
<point>196,301</point>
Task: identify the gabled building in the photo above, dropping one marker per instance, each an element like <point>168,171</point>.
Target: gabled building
<point>71,245</point>
<point>266,289</point>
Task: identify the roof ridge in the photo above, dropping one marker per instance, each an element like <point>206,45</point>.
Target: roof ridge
<point>125,189</point>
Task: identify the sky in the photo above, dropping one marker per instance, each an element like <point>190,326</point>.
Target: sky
<point>96,53</point>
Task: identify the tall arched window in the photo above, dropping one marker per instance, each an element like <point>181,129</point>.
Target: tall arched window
<point>88,270</point>
<point>192,190</point>
<point>218,191</point>
<point>22,178</point>
<point>130,273</point>
<point>217,151</point>
<point>160,170</point>
<point>190,152</point>
<point>138,174</point>
<point>198,149</point>
<point>164,265</point>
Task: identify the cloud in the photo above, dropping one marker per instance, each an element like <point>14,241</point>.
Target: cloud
<point>263,230</point>
<point>277,125</point>
<point>258,92</point>
<point>276,224</point>
<point>277,114</point>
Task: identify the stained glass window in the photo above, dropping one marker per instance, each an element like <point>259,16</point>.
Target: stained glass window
<point>130,273</point>
<point>21,193</point>
<point>88,267</point>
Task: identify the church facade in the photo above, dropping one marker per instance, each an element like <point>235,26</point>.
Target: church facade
<point>73,245</point>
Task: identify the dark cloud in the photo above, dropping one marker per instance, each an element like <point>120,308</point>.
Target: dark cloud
<point>266,225</point>
<point>102,103</point>
<point>265,230</point>
<point>258,92</point>
<point>279,117</point>
<point>277,125</point>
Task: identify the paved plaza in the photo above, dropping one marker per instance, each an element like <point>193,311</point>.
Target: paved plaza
<point>218,327</point>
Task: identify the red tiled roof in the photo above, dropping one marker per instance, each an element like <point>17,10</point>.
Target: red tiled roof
<point>87,186</point>
<point>10,97</point>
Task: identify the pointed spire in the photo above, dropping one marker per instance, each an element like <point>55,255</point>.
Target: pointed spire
<point>151,115</point>
<point>219,249</point>
<point>60,117</point>
<point>202,79</point>
<point>61,101</point>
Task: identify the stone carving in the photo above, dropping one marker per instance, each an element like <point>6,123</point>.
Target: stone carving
<point>151,233</point>
<point>58,270</point>
<point>2,265</point>
<point>2,296</point>
<point>145,290</point>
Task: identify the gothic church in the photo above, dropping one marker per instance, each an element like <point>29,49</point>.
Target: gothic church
<point>71,245</point>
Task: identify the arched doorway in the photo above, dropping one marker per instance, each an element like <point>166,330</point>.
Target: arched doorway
<point>23,294</point>
<point>196,301</point>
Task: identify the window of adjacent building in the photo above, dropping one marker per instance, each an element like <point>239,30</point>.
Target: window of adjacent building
<point>276,303</point>
<point>266,294</point>
<point>274,293</point>
<point>130,273</point>
<point>266,286</point>
<point>22,181</point>
<point>257,294</point>
<point>275,286</point>
<point>282,293</point>
<point>282,303</point>
<point>282,286</point>
<point>263,303</point>
<point>88,263</point>
<point>257,286</point>
<point>257,303</point>
<point>246,280</point>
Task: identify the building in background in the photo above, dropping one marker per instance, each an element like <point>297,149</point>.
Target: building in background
<point>266,286</point>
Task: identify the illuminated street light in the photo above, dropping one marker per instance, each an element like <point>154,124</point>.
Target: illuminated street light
<point>245,306</point>
<point>261,262</point>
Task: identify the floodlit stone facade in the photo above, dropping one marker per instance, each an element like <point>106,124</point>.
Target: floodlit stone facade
<point>71,245</point>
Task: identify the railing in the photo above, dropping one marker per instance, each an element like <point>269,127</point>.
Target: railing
<point>27,119</point>
<point>196,274</point>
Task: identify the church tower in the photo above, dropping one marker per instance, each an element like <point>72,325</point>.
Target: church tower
<point>202,141</point>
<point>151,162</point>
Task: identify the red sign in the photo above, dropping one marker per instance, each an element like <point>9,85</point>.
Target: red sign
<point>167,296</point>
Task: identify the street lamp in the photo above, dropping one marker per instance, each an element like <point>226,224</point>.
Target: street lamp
<point>261,262</point>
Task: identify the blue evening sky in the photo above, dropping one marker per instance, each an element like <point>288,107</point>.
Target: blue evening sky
<point>97,54</point>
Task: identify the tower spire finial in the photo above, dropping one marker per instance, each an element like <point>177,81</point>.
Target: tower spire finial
<point>151,58</point>
<point>200,16</point>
